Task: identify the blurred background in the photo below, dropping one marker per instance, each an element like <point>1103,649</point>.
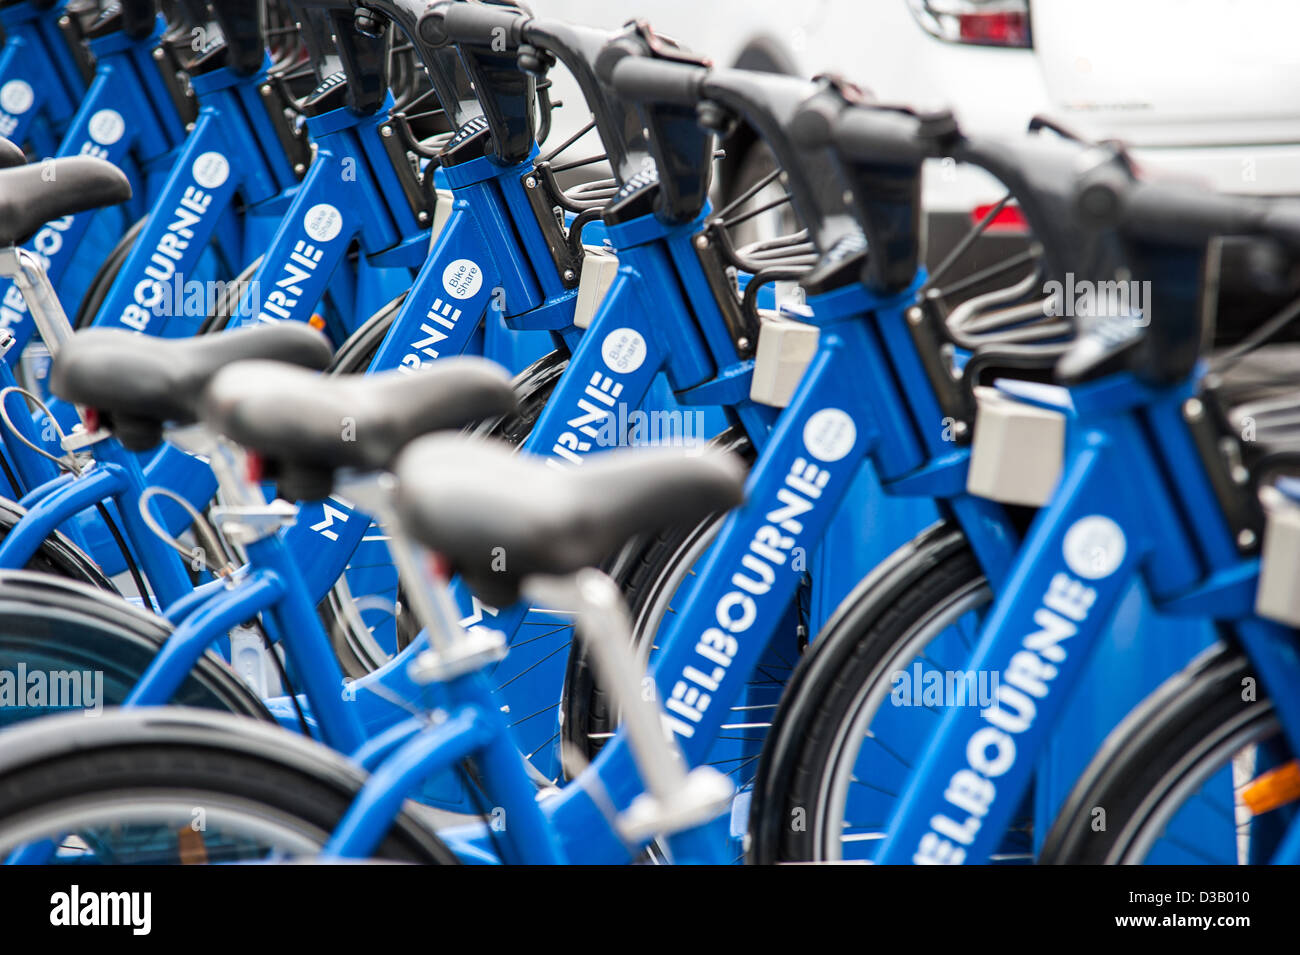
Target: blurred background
<point>1206,90</point>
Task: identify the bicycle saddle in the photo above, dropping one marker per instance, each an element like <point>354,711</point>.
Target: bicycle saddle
<point>498,517</point>
<point>31,196</point>
<point>138,383</point>
<point>306,426</point>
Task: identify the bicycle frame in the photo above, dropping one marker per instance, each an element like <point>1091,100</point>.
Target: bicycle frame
<point>128,117</point>
<point>117,481</point>
<point>223,155</point>
<point>1082,551</point>
<point>41,79</point>
<point>351,191</point>
<point>805,467</point>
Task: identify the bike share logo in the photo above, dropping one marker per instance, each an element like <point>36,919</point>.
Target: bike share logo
<point>828,436</point>
<point>461,279</point>
<point>322,223</point>
<point>105,128</point>
<point>1093,548</point>
<point>150,295</point>
<point>16,98</point>
<point>623,351</point>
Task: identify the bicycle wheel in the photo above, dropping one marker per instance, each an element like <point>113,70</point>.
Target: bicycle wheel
<point>841,754</point>
<point>164,785</point>
<point>1172,783</point>
<point>57,555</point>
<point>66,646</point>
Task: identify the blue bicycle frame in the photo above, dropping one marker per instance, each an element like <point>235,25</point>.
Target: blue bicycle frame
<point>41,81</point>
<point>232,148</point>
<point>127,116</point>
<point>1082,552</point>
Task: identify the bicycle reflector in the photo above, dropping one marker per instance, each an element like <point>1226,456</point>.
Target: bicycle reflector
<point>1273,789</point>
<point>977,22</point>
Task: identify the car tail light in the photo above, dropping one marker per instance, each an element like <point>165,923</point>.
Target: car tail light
<point>1008,219</point>
<point>979,22</point>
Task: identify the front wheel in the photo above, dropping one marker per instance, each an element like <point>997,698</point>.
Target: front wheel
<point>66,646</point>
<point>163,786</point>
<point>846,739</point>
<point>1178,782</point>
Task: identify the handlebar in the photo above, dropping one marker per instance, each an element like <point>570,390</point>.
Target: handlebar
<point>643,79</point>
<point>479,24</point>
<point>139,17</point>
<point>1178,214</point>
<point>450,81</point>
<point>241,26</point>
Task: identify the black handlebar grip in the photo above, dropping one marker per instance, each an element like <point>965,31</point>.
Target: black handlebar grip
<point>1181,214</point>
<point>477,24</point>
<point>241,25</point>
<point>872,135</point>
<point>645,80</point>
<point>1282,221</point>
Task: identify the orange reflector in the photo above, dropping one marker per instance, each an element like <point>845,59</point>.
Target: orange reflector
<point>317,322</point>
<point>1275,788</point>
<point>192,849</point>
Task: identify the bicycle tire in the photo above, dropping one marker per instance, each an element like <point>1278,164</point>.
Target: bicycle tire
<point>49,624</point>
<point>1198,715</point>
<point>57,770</point>
<point>874,632</point>
<point>57,555</point>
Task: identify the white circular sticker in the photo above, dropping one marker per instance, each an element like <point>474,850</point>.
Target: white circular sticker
<point>323,222</point>
<point>106,127</point>
<point>16,97</point>
<point>1094,547</point>
<point>462,278</point>
<point>211,170</point>
<point>829,434</point>
<point>623,350</point>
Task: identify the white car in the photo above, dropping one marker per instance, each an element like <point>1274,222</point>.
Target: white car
<point>1208,89</point>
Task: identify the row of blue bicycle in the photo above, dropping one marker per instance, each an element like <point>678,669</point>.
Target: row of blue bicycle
<point>926,566</point>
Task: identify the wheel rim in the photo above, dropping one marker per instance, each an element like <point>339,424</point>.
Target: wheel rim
<point>144,827</point>
<point>1168,826</point>
<point>862,782</point>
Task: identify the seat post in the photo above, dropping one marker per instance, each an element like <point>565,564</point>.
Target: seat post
<point>25,270</point>
<point>677,798</point>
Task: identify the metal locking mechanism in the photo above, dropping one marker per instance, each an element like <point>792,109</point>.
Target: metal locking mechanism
<point>1017,451</point>
<point>785,349</point>
<point>1278,597</point>
<point>599,266</point>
